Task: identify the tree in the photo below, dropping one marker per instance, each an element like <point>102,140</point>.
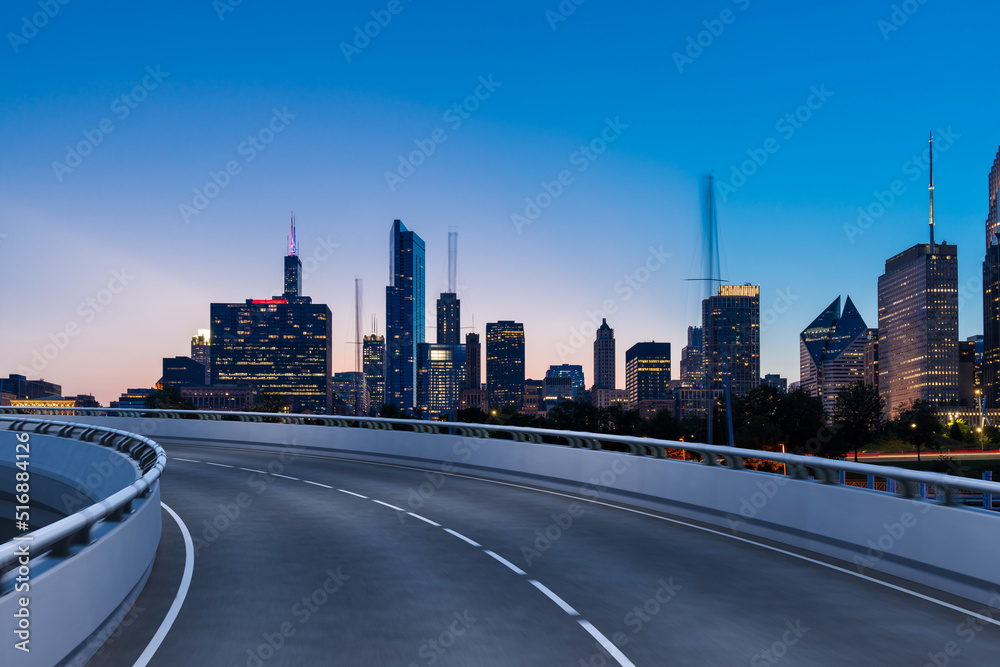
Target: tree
<point>574,416</point>
<point>857,414</point>
<point>472,416</point>
<point>918,425</point>
<point>694,429</point>
<point>955,432</point>
<point>619,421</point>
<point>168,398</point>
<point>390,411</point>
<point>272,403</point>
<point>663,426</point>
<point>803,420</point>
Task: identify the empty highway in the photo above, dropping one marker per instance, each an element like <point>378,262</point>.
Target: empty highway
<point>301,560</point>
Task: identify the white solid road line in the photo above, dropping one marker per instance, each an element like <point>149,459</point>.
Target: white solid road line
<point>423,518</point>
<point>555,598</point>
<point>182,592</point>
<point>352,493</point>
<point>317,484</point>
<point>505,562</point>
<point>398,509</point>
<point>462,537</point>
<point>607,645</point>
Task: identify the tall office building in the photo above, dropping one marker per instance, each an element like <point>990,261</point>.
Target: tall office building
<point>731,329</point>
<point>404,315</point>
<point>572,371</point>
<point>918,323</point>
<point>692,358</point>
<point>280,345</point>
<point>775,381</point>
<point>832,352</point>
<point>604,357</point>
<point>182,372</point>
<point>473,395</point>
<point>201,351</point>
<point>647,372</point>
<point>989,368</point>
<point>504,363</point>
<point>448,319</point>
<point>440,377</point>
<point>373,355</point>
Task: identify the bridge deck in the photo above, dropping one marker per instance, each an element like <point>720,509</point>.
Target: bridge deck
<point>328,577</point>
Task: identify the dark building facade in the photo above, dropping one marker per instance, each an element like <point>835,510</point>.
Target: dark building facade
<point>182,372</point>
<point>449,308</point>
<point>278,346</point>
<point>647,372</point>
<point>21,387</point>
<point>504,363</point>
<point>731,329</point>
<point>374,369</point>
<point>572,371</point>
<point>604,357</point>
<point>404,315</point>
<point>918,327</point>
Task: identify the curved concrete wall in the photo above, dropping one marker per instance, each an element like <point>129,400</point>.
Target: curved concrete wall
<point>950,548</point>
<point>71,598</point>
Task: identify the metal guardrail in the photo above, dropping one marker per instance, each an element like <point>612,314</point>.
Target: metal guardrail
<point>57,538</point>
<point>827,471</point>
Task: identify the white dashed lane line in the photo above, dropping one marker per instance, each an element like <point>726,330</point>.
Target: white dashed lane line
<point>252,470</point>
<point>506,562</point>
<point>285,476</point>
<point>424,519</point>
<point>462,537</point>
<point>398,509</point>
<point>177,458</point>
<point>351,493</point>
<point>317,484</point>
<point>220,465</point>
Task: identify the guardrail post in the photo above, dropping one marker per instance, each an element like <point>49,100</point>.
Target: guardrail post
<point>922,490</point>
<point>843,477</point>
<point>871,481</point>
<point>890,485</point>
<point>988,497</point>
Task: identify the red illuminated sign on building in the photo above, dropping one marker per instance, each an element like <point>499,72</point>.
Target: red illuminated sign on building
<point>269,302</point>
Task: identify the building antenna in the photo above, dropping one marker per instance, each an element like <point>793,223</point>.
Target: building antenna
<point>452,261</point>
<point>931,189</point>
<point>292,249</point>
<point>359,376</point>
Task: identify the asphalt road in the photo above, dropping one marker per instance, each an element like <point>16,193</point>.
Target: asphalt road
<point>289,572</point>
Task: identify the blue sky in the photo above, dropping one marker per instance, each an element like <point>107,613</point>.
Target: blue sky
<point>203,84</point>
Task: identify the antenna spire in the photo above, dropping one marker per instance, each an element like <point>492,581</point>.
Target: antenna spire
<point>452,261</point>
<point>292,249</point>
<point>931,188</point>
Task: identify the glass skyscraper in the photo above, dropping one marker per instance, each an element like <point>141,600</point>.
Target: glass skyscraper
<point>441,374</point>
<point>918,327</point>
<point>278,346</point>
<point>504,363</point>
<point>374,369</point>
<point>404,315</point>
<point>731,330</point>
<point>832,352</point>
<point>647,372</point>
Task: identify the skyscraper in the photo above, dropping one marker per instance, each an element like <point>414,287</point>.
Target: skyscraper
<point>731,324</point>
<point>201,351</point>
<point>832,352</point>
<point>440,376</point>
<point>918,323</point>
<point>448,318</point>
<point>473,395</point>
<point>692,358</point>
<point>504,363</point>
<point>604,357</point>
<point>573,371</point>
<point>374,370</point>
<point>647,372</point>
<point>404,315</point>
<point>280,345</point>
<point>989,371</point>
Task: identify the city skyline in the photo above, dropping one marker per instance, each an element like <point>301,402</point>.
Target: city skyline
<point>112,230</point>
